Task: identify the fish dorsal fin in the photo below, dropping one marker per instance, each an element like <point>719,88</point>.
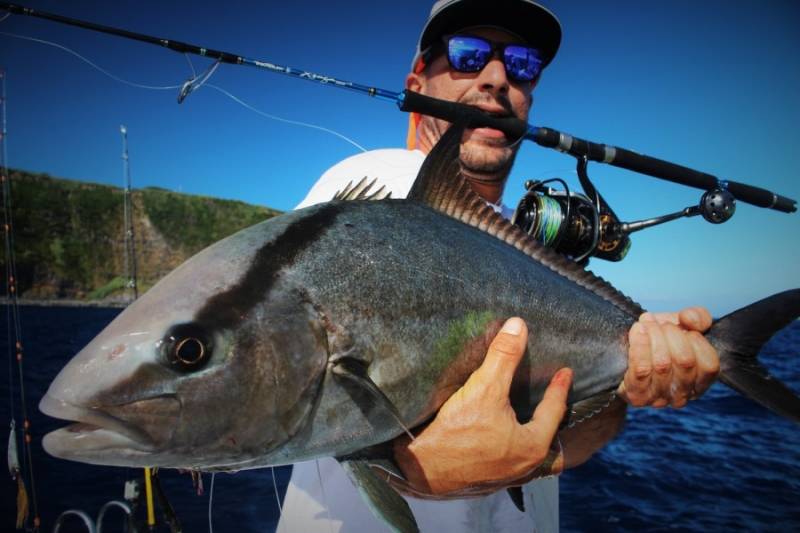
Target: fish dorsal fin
<point>441,186</point>
<point>362,191</point>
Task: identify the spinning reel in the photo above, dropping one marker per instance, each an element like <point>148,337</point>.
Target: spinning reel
<point>581,226</point>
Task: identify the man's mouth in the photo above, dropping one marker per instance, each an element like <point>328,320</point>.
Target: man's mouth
<point>489,133</point>
<point>495,111</point>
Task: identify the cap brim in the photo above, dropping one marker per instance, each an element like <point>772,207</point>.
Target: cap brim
<point>534,23</point>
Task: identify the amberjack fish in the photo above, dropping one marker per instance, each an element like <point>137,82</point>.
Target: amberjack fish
<point>325,331</point>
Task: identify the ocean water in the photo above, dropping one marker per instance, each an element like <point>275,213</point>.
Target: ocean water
<point>721,464</point>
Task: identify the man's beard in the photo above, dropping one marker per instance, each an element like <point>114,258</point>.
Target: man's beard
<point>485,160</point>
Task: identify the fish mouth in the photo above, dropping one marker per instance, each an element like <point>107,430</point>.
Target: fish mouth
<point>98,436</point>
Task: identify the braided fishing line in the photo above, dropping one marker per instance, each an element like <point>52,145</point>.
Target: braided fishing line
<point>550,219</point>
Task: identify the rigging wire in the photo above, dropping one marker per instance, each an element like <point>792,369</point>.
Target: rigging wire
<point>192,84</point>
<point>13,308</point>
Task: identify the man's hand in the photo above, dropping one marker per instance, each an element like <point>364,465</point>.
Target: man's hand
<point>475,441</point>
<point>669,361</point>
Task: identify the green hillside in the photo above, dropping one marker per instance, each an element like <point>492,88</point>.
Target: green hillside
<point>69,235</point>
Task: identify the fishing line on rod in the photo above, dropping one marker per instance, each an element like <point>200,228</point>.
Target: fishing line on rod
<point>195,82</point>
<point>324,497</point>
<point>93,65</point>
<point>205,76</point>
<point>210,499</point>
<point>275,487</point>
<point>286,120</point>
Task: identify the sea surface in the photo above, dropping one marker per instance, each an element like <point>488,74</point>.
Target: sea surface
<point>721,464</point>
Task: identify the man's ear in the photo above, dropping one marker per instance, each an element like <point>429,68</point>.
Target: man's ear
<point>415,82</point>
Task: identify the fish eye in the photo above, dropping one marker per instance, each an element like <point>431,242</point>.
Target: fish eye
<point>187,347</point>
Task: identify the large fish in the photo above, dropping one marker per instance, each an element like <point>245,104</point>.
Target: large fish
<point>326,331</point>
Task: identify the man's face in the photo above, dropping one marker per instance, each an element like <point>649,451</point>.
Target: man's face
<point>483,150</point>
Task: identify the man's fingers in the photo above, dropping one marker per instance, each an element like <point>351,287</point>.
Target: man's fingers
<point>635,387</point>
<point>707,362</point>
<point>540,431</point>
<point>695,318</point>
<point>502,358</point>
<point>662,365</point>
<point>691,318</point>
<point>684,367</point>
<point>661,318</point>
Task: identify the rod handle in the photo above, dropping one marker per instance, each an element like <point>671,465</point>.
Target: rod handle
<point>470,117</point>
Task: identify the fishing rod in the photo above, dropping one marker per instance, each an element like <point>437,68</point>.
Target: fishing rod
<point>554,216</point>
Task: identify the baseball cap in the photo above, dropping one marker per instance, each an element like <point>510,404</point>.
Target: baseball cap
<point>534,23</point>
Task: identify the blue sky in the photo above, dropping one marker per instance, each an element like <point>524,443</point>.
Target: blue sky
<point>712,85</point>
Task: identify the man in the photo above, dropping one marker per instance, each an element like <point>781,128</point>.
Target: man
<point>490,55</point>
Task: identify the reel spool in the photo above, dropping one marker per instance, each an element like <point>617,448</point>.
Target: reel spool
<point>570,223</point>
<point>580,226</point>
<point>563,220</point>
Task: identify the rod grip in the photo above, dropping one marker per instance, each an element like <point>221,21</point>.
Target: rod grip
<point>470,117</point>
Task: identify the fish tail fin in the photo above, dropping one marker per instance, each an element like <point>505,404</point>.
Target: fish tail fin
<point>739,336</point>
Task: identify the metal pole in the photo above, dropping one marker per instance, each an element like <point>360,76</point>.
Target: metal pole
<point>130,248</point>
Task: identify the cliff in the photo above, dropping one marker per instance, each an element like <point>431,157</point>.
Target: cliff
<point>70,243</point>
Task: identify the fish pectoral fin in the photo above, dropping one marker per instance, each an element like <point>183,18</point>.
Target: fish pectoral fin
<point>364,392</point>
<point>384,502</point>
<point>586,409</point>
<point>515,493</point>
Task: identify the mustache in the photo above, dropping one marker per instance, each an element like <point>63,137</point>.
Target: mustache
<point>501,100</point>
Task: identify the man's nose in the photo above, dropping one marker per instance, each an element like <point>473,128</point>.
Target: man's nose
<point>493,76</point>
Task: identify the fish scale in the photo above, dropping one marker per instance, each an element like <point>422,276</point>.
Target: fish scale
<point>400,313</point>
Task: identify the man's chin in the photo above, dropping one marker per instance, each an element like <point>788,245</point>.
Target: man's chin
<point>486,158</point>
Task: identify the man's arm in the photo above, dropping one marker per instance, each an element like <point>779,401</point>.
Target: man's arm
<point>475,444</point>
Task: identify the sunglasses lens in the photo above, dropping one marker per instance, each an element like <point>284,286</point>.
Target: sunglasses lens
<point>523,63</point>
<point>468,54</point>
